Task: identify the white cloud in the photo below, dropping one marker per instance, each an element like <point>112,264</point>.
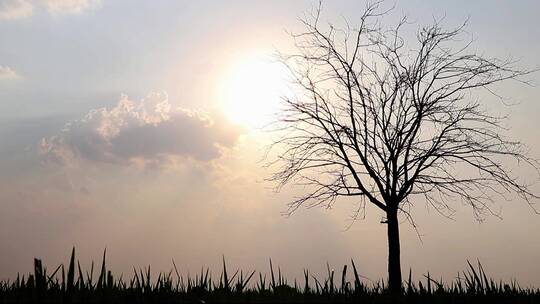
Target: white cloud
<point>70,6</point>
<point>15,9</point>
<point>7,73</point>
<point>149,132</point>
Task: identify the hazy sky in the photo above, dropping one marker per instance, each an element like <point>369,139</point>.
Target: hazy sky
<point>126,124</point>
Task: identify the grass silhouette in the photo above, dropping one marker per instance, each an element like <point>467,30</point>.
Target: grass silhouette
<point>78,286</point>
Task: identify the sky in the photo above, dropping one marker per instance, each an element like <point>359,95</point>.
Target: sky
<point>135,126</point>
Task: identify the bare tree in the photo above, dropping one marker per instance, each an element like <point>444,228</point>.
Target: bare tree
<point>386,120</point>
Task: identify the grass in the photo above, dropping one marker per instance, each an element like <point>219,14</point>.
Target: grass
<point>74,285</point>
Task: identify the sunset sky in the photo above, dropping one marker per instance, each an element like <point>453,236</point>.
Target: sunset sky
<point>136,126</point>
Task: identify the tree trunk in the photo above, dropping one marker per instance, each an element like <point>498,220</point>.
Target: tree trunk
<point>394,263</point>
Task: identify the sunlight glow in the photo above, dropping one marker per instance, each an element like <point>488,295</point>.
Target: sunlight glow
<point>252,89</point>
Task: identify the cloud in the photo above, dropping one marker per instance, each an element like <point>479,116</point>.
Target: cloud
<point>149,132</point>
<point>15,9</point>
<point>70,6</point>
<point>7,73</point>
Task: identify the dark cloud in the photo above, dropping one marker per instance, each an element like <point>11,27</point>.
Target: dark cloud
<point>149,131</point>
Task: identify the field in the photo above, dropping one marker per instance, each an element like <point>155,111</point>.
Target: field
<point>72,284</point>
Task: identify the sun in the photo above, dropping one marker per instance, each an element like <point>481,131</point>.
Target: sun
<point>251,90</point>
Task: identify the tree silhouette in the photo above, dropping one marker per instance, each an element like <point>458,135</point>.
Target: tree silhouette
<point>384,119</point>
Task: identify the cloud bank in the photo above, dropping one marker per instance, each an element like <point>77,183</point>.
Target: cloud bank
<point>18,9</point>
<point>15,9</point>
<point>7,73</point>
<point>70,6</point>
<point>149,132</point>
